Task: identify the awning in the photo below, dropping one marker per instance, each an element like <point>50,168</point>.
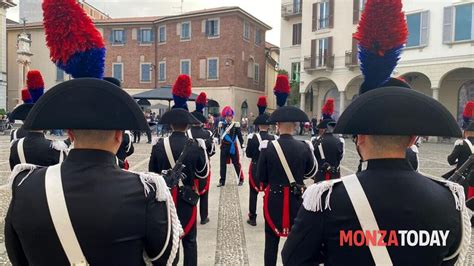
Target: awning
<point>163,93</point>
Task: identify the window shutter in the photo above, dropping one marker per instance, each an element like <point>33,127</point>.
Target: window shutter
<point>425,26</point>
<point>294,34</point>
<point>124,36</point>
<point>207,27</point>
<point>315,16</point>
<point>138,35</point>
<point>202,69</point>
<point>111,37</point>
<point>178,29</point>
<point>448,24</point>
<point>329,56</point>
<point>313,54</point>
<point>203,26</point>
<point>331,14</point>
<point>356,12</point>
<point>153,34</point>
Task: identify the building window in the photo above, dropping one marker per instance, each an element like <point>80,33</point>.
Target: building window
<point>417,29</point>
<point>212,27</point>
<point>162,71</point>
<point>295,72</point>
<point>59,74</point>
<point>185,30</point>
<point>297,33</point>
<point>185,67</point>
<point>145,72</point>
<point>323,22</point>
<point>117,37</point>
<point>322,52</point>
<point>146,36</point>
<point>246,30</point>
<point>256,76</point>
<point>258,37</point>
<point>458,23</point>
<point>213,68</point>
<point>117,71</point>
<point>162,34</point>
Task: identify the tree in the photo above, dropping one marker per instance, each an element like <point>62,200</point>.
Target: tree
<point>294,97</point>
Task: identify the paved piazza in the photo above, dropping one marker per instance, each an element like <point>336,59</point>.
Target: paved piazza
<point>227,239</point>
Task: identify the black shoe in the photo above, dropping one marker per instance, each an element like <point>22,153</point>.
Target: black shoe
<point>205,221</point>
<point>252,222</point>
<point>149,142</point>
<point>241,182</point>
<point>220,185</point>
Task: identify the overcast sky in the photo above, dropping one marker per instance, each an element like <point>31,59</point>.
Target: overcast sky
<point>266,10</point>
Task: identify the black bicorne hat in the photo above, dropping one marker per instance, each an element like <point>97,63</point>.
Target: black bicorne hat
<point>178,116</point>
<point>397,111</point>
<point>199,116</point>
<point>262,120</point>
<point>325,123</point>
<point>86,103</point>
<point>288,114</point>
<point>21,111</point>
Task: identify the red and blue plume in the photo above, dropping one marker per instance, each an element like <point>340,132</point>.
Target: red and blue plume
<point>262,105</point>
<point>328,109</point>
<point>181,91</point>
<point>227,111</point>
<point>382,34</point>
<point>282,89</point>
<point>35,84</point>
<point>25,96</point>
<point>201,102</point>
<point>468,113</point>
<point>75,45</point>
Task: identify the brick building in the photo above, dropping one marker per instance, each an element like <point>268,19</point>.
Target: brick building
<point>222,49</point>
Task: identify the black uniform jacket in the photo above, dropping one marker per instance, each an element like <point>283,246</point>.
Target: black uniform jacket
<point>113,219</point>
<point>234,133</point>
<point>412,157</point>
<point>460,153</point>
<point>20,133</point>
<point>38,150</point>
<point>126,149</point>
<point>198,132</point>
<point>401,199</point>
<point>253,152</point>
<point>270,171</point>
<point>333,149</point>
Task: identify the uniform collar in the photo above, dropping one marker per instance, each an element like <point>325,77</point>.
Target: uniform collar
<point>286,136</point>
<point>389,164</point>
<point>89,155</point>
<point>471,139</point>
<point>178,134</point>
<point>31,134</point>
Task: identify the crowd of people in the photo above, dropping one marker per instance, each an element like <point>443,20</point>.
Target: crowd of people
<point>76,202</point>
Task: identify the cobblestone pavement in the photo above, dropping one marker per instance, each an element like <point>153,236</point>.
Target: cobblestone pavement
<point>227,239</point>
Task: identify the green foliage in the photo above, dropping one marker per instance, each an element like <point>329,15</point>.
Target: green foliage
<point>2,111</point>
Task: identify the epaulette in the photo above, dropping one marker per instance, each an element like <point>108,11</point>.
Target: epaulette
<point>155,141</point>
<point>250,136</point>
<point>16,171</point>
<point>59,145</point>
<point>312,197</point>
<point>263,145</point>
<point>13,142</point>
<point>237,124</point>
<point>459,142</point>
<point>201,143</point>
<point>310,144</point>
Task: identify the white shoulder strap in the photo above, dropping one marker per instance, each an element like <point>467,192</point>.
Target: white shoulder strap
<point>21,151</point>
<point>129,146</point>
<point>259,138</point>
<point>15,134</point>
<point>60,216</point>
<point>470,145</point>
<point>169,152</point>
<point>284,162</point>
<point>190,135</point>
<point>366,217</point>
<point>321,151</point>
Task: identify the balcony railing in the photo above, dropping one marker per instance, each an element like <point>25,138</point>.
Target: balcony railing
<point>319,63</point>
<point>351,59</point>
<point>291,9</point>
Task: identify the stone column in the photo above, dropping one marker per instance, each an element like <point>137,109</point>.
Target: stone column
<point>435,93</point>
<point>303,101</point>
<point>4,4</point>
<point>24,60</point>
<point>342,101</point>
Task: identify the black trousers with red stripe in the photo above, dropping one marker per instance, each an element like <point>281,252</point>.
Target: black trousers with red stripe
<point>271,247</point>
<point>204,205</point>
